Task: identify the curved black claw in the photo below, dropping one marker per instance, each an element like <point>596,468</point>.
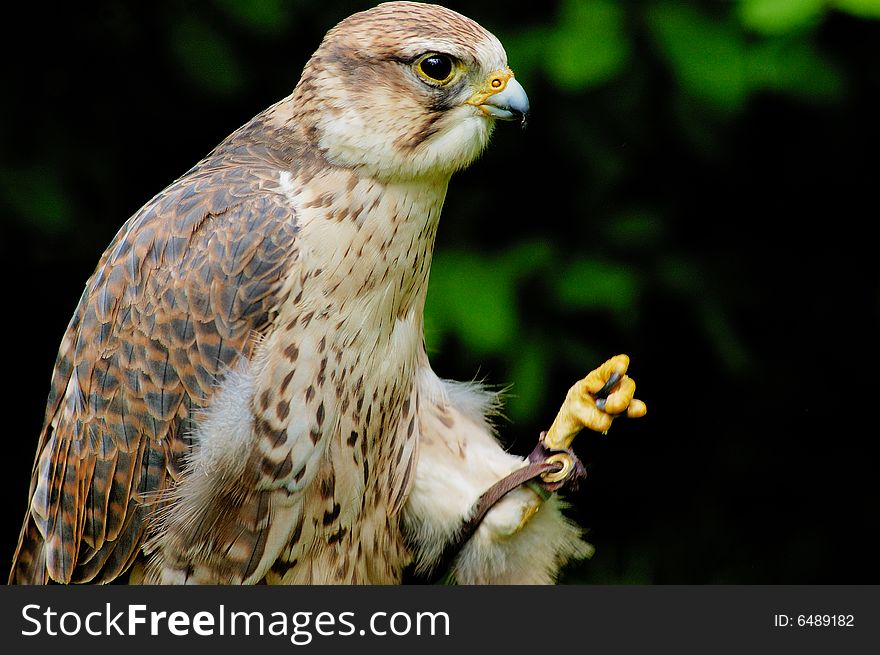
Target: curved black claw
<point>602,395</point>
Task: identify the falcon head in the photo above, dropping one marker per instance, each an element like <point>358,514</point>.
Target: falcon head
<point>406,90</point>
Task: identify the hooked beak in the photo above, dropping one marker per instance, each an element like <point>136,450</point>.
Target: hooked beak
<point>503,98</point>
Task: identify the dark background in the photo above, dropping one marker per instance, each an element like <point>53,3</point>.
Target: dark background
<point>697,188</point>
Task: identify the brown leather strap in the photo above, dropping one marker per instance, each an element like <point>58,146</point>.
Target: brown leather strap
<point>486,502</point>
<point>500,489</point>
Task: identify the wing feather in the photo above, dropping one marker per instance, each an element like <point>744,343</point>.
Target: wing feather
<point>172,305</point>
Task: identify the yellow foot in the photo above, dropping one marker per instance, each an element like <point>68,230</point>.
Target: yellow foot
<point>607,392</point>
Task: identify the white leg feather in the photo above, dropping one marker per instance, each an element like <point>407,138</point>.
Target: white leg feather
<point>522,540</point>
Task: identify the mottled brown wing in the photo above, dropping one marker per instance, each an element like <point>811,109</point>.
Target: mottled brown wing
<point>173,304</point>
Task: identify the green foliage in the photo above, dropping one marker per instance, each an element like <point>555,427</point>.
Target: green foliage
<point>861,8</point>
<point>39,194</point>
<point>529,372</point>
<point>586,45</point>
<point>720,57</point>
<point>780,16</point>
<point>263,16</point>
<point>591,283</point>
<point>715,61</point>
<point>472,297</point>
<point>708,56</point>
<point>793,66</point>
<point>465,288</point>
<point>635,229</point>
<point>207,56</point>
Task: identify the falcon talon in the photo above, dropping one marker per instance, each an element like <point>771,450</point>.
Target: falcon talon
<point>605,391</point>
<point>583,408</point>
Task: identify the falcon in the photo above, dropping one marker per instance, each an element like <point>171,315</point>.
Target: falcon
<point>243,393</point>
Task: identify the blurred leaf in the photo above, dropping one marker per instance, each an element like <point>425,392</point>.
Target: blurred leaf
<point>688,278</point>
<point>38,195</point>
<point>861,8</point>
<point>525,257</point>
<point>525,52</point>
<point>528,382</point>
<point>794,67</point>
<point>206,57</point>
<point>708,56</point>
<point>637,229</point>
<point>589,45</point>
<point>596,284</point>
<point>681,275</point>
<point>472,297</point>
<point>260,15</point>
<point>727,344</point>
<point>780,16</point>
<point>434,328</point>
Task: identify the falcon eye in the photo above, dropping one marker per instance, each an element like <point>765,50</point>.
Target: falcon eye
<point>436,67</point>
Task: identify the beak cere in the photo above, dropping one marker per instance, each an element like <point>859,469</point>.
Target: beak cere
<point>509,103</point>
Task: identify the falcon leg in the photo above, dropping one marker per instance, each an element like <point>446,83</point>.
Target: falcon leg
<point>523,539</point>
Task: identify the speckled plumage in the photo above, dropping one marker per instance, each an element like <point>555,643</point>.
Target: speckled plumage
<point>242,394</point>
